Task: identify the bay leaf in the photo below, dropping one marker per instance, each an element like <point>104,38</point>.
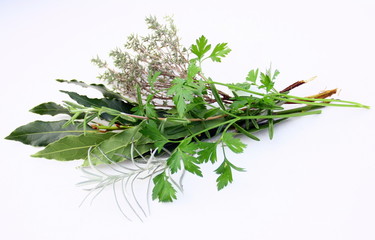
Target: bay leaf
<point>72,147</point>
<point>41,133</point>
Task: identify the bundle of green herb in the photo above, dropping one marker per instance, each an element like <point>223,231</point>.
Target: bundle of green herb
<point>164,116</point>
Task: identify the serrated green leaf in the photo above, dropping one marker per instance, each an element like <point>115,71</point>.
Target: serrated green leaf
<point>190,162</point>
<point>275,74</point>
<point>244,86</point>
<point>182,94</point>
<point>152,78</point>
<point>233,143</point>
<point>150,110</point>
<point>152,131</point>
<point>238,104</point>
<point>49,108</point>
<point>192,71</point>
<point>266,81</point>
<point>207,152</point>
<point>221,50</point>
<point>40,133</point>
<point>188,146</point>
<point>201,47</point>
<point>252,76</point>
<point>72,147</point>
<point>174,161</point>
<point>225,173</point>
<point>163,189</point>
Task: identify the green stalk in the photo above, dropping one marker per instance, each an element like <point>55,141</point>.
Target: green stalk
<point>293,99</point>
<point>234,120</point>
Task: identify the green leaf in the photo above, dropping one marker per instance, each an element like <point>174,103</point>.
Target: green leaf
<point>270,125</point>
<point>267,102</point>
<point>182,93</point>
<point>119,147</point>
<point>252,76</point>
<point>225,172</point>
<point>152,78</point>
<point>238,104</point>
<point>275,74</point>
<point>211,112</point>
<point>178,129</point>
<point>163,189</point>
<point>150,110</point>
<point>190,164</point>
<point>49,108</point>
<point>238,86</point>
<point>174,161</point>
<point>40,133</point>
<point>207,152</point>
<point>72,147</point>
<point>217,96</point>
<point>117,114</point>
<point>266,81</point>
<point>151,130</point>
<point>189,161</point>
<point>221,50</point>
<point>246,133</point>
<point>100,87</point>
<point>233,143</point>
<point>115,104</point>
<point>201,47</point>
<point>100,102</point>
<point>192,70</point>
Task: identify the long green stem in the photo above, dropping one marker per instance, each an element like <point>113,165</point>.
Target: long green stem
<point>296,99</point>
<point>232,121</point>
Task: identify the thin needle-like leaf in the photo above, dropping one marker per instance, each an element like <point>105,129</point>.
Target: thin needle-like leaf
<point>133,193</point>
<point>123,186</point>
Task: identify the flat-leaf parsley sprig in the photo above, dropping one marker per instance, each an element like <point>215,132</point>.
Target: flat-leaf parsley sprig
<point>161,116</point>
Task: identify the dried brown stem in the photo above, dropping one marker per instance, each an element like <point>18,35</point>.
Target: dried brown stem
<point>294,85</point>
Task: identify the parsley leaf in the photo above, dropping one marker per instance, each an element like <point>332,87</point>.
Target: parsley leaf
<point>207,152</point>
<point>151,130</point>
<point>225,172</point>
<point>234,144</point>
<point>190,164</point>
<point>221,50</point>
<point>185,154</point>
<point>192,70</point>
<point>163,189</point>
<point>252,76</point>
<point>201,47</point>
<point>266,81</point>
<point>182,93</point>
<point>152,78</point>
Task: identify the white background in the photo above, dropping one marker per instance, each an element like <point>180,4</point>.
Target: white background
<point>315,180</point>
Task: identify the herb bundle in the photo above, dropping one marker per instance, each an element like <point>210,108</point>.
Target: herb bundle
<point>160,115</point>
